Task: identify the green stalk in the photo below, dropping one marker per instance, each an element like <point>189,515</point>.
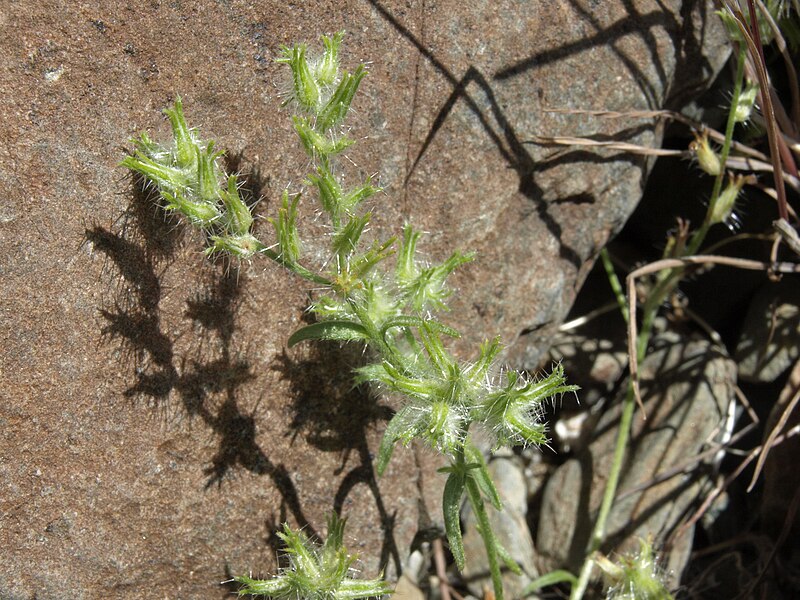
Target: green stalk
<point>613,280</point>
<point>485,528</point>
<point>700,234</point>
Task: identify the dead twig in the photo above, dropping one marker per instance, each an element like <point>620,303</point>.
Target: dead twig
<point>790,396</point>
<point>678,263</point>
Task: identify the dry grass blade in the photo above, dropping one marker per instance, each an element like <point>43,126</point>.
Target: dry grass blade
<point>791,72</point>
<point>790,396</point>
<point>751,456</point>
<point>441,568</point>
<point>677,263</point>
<point>564,140</point>
<point>715,135</point>
<point>766,99</point>
<point>788,234</point>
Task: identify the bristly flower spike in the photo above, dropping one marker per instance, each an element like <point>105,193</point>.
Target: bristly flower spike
<point>315,571</point>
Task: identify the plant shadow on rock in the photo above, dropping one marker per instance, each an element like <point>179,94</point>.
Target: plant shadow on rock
<point>334,416</point>
<point>500,130</point>
<point>207,382</point>
<point>330,414</point>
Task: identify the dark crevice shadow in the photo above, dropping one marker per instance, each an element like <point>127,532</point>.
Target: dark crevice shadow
<point>334,416</point>
<point>690,65</point>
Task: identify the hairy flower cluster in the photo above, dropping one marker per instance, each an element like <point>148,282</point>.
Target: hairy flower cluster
<point>315,571</point>
<point>191,183</point>
<point>391,309</point>
<point>635,576</point>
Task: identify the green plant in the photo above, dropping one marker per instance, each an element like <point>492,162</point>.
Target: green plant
<point>634,576</point>
<point>363,297</point>
<point>315,571</point>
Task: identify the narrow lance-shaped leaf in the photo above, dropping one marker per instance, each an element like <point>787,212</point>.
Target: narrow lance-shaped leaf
<point>403,426</point>
<point>480,473</point>
<point>451,505</point>
<point>342,331</point>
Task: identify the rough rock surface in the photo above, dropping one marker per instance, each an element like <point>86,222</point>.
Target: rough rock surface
<point>154,428</point>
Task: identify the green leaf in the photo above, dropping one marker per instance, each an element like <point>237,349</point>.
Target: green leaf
<point>512,565</point>
<point>451,505</point>
<point>343,331</point>
<point>412,321</point>
<point>481,475</point>
<point>403,426</point>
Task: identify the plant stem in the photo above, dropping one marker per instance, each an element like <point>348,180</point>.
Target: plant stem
<point>489,541</point>
<point>613,280</point>
<point>598,534</point>
<point>700,234</point>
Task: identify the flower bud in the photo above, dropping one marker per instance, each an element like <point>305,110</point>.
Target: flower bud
<point>240,246</point>
<point>328,68</point>
<point>746,103</point>
<point>306,88</point>
<point>706,157</point>
<point>238,217</point>
<point>337,107</point>
<point>723,207</point>
<point>634,577</point>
